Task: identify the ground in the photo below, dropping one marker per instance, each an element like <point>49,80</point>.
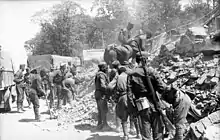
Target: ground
<point>20,126</point>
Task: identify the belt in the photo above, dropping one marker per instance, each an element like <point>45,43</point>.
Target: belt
<point>122,93</point>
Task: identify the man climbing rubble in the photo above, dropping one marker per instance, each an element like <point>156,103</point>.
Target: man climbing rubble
<point>181,103</point>
<point>101,83</point>
<point>20,87</point>
<point>120,87</point>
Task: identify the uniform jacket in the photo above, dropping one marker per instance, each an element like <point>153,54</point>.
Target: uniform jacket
<point>101,83</point>
<point>124,35</point>
<point>137,85</point>
<point>19,78</point>
<point>36,84</point>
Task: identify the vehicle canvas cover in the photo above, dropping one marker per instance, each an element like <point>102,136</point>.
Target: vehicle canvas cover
<point>48,61</point>
<point>7,75</point>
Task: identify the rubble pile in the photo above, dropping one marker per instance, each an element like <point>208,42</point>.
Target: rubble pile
<point>83,109</point>
<point>197,77</point>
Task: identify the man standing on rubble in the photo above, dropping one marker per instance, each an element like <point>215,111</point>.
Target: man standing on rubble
<point>101,83</point>
<point>35,92</point>
<point>125,34</point>
<point>141,102</point>
<point>20,87</point>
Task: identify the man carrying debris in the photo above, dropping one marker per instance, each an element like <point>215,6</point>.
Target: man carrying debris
<point>181,103</point>
<point>57,77</point>
<point>101,83</point>
<point>68,89</point>
<point>19,80</point>
<point>35,92</point>
<point>141,102</point>
<point>27,85</point>
<point>121,99</point>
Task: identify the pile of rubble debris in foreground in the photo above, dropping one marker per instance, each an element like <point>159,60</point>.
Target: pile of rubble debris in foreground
<point>194,75</point>
<point>85,109</point>
<point>199,78</point>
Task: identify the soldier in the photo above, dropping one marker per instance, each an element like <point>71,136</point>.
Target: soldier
<point>181,103</point>
<point>27,86</point>
<point>112,75</point>
<point>35,92</point>
<point>121,100</point>
<point>114,71</point>
<point>69,87</point>
<point>141,100</point>
<point>101,83</point>
<point>57,77</point>
<point>19,80</point>
<point>125,34</point>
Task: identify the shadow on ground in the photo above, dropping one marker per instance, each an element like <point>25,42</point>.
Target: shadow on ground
<point>85,127</point>
<point>45,113</point>
<point>27,120</point>
<point>103,137</point>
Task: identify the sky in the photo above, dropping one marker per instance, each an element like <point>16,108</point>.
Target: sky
<point>16,27</point>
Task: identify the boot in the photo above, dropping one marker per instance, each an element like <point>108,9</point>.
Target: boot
<point>37,115</point>
<point>19,108</point>
<point>59,104</point>
<point>125,130</point>
<point>137,128</point>
<point>117,121</point>
<point>99,125</point>
<point>132,128</point>
<point>105,127</point>
<point>22,107</point>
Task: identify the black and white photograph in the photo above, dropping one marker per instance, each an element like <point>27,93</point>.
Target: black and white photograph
<point>109,69</point>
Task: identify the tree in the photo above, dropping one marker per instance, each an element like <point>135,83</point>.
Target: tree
<point>158,14</point>
<point>111,16</point>
<point>61,26</point>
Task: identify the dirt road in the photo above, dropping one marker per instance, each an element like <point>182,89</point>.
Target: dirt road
<point>20,126</point>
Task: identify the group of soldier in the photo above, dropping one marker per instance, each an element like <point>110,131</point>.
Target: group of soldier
<point>140,94</point>
<point>134,98</point>
<point>38,83</point>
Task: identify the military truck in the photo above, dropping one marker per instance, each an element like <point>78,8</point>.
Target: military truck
<point>50,61</point>
<point>6,80</point>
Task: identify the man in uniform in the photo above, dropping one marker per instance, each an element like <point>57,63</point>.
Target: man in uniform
<point>125,34</point>
<point>27,85</point>
<point>19,80</point>
<point>57,77</point>
<point>35,92</point>
<point>120,87</point>
<point>101,83</point>
<point>141,100</point>
<point>181,103</point>
<point>69,87</point>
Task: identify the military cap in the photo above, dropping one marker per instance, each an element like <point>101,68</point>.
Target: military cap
<point>122,69</point>
<point>102,65</point>
<point>116,63</point>
<point>62,64</point>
